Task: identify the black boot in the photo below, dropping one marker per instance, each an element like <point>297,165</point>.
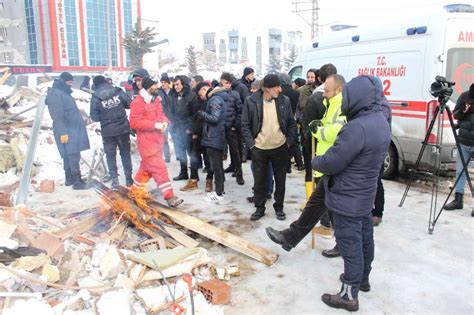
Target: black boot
<point>280,214</point>
<point>115,184</point>
<point>331,253</point>
<point>69,179</point>
<point>128,181</point>
<point>183,175</point>
<point>239,177</point>
<point>79,184</point>
<point>257,214</point>
<point>456,203</point>
<point>229,169</point>
<point>279,238</point>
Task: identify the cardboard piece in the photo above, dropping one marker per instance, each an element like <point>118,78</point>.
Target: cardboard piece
<point>164,258</point>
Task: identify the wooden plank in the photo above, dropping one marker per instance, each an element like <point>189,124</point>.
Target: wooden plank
<point>180,237</point>
<point>223,237</point>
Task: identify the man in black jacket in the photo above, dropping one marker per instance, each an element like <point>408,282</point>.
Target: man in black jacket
<point>69,129</point>
<point>464,113</point>
<point>248,77</point>
<point>233,128</point>
<point>269,129</point>
<point>108,104</point>
<point>183,108</point>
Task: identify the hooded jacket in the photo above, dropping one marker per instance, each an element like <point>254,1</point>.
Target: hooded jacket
<point>67,119</point>
<point>465,120</point>
<point>213,133</point>
<point>252,118</point>
<point>240,88</point>
<point>184,107</point>
<point>353,163</point>
<point>108,106</point>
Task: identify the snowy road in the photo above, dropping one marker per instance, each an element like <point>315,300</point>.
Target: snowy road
<point>413,272</point>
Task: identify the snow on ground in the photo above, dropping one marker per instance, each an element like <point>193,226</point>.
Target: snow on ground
<point>413,272</point>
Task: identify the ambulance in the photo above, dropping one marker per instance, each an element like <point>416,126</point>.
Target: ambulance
<point>406,56</point>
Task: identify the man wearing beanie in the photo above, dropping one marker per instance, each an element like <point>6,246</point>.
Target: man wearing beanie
<point>69,129</point>
<point>464,113</point>
<point>248,77</point>
<point>108,104</point>
<point>269,129</point>
<point>137,76</point>
<point>150,122</point>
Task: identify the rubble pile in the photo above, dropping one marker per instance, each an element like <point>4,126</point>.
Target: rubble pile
<point>94,262</point>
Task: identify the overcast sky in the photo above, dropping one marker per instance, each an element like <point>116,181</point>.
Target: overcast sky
<point>184,21</point>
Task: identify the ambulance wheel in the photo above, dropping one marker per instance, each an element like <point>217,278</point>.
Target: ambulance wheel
<point>390,163</point>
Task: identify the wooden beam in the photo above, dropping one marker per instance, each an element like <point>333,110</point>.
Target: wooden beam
<point>223,237</point>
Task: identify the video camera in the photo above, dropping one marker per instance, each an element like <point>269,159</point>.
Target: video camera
<point>442,89</point>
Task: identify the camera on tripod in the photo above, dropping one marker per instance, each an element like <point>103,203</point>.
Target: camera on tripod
<point>442,89</point>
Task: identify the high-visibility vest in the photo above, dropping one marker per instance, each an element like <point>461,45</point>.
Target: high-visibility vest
<point>331,124</point>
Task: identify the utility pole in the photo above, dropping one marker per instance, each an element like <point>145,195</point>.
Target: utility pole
<point>302,6</point>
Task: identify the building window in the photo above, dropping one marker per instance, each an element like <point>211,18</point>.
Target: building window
<point>128,25</point>
<point>100,37</point>
<point>31,31</point>
<point>71,32</point>
<point>7,57</point>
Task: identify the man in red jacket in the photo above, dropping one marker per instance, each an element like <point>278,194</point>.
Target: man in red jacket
<point>149,121</point>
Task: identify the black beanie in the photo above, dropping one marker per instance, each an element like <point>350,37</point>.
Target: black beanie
<point>471,94</point>
<point>98,80</point>
<point>140,73</point>
<point>271,80</point>
<point>66,76</point>
<point>200,85</point>
<point>248,71</point>
<point>165,78</point>
<point>147,82</point>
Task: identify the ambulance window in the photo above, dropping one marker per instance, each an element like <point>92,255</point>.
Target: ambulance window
<point>296,73</point>
<point>459,68</point>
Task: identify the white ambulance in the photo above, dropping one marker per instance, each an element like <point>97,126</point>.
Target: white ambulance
<point>407,56</point>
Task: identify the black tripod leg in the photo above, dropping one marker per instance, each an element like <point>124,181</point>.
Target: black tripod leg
<point>465,167</point>
<point>420,155</point>
<point>458,145</point>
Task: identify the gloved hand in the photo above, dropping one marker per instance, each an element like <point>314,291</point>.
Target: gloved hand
<point>313,126</point>
<point>161,126</point>
<point>64,139</point>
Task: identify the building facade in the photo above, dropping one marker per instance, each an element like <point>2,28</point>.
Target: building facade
<point>13,32</point>
<point>74,35</point>
<point>254,47</point>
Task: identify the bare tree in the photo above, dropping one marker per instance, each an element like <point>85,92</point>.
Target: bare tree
<point>138,43</point>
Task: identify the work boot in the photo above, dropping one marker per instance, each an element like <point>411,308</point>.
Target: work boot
<point>250,199</point>
<point>279,238</point>
<point>300,168</point>
<point>128,181</point>
<point>257,215</point>
<point>364,285</point>
<point>280,214</point>
<point>376,220</point>
<point>239,177</point>
<point>69,179</point>
<point>323,231</point>
<point>192,184</point>
<point>337,301</point>
<point>331,253</point>
<point>79,184</point>
<point>208,185</point>
<point>115,184</point>
<point>182,175</point>
<point>174,201</point>
<point>456,203</point>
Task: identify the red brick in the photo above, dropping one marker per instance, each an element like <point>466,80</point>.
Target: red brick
<point>215,291</point>
<point>47,186</point>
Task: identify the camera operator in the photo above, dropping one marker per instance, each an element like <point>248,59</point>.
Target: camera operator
<point>464,113</point>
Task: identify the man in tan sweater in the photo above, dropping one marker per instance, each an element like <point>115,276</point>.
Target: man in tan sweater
<point>269,129</point>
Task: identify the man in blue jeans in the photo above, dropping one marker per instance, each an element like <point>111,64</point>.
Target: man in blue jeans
<point>464,113</point>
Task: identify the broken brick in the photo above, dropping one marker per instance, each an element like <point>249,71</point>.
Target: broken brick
<point>50,243</point>
<point>215,291</point>
<point>47,186</point>
<point>6,199</point>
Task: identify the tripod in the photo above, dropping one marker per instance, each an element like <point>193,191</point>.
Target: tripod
<point>440,109</point>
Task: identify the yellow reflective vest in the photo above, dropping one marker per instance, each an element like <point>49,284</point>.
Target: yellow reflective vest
<point>331,124</point>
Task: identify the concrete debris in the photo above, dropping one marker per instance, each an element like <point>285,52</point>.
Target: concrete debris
<point>51,272</point>
<point>114,303</point>
<point>30,263</point>
<point>111,264</point>
<point>225,273</point>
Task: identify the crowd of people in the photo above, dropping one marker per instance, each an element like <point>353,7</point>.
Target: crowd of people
<point>337,132</point>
